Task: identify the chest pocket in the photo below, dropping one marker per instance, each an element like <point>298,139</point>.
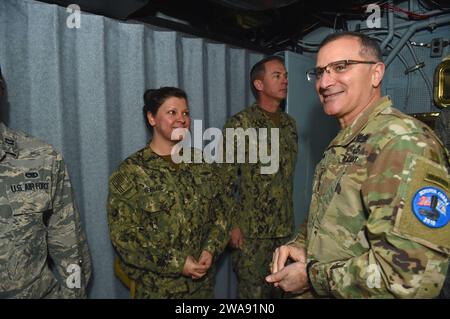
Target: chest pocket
<point>157,206</point>
<point>204,189</point>
<point>156,202</point>
<point>327,179</point>
<point>159,215</point>
<point>332,180</point>
<point>28,193</point>
<point>30,202</point>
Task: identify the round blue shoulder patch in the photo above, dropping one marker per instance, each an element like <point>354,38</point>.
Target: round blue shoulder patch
<point>430,204</point>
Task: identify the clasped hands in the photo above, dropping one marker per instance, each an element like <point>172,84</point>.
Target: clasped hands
<point>197,269</point>
<point>293,277</point>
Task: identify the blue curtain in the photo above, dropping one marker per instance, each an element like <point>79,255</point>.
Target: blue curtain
<point>81,90</point>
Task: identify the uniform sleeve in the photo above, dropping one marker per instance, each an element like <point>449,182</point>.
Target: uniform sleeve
<point>67,245</point>
<point>229,173</point>
<point>138,239</point>
<point>300,238</point>
<point>218,236</point>
<point>405,259</point>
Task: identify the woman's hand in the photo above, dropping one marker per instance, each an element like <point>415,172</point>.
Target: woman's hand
<point>194,269</point>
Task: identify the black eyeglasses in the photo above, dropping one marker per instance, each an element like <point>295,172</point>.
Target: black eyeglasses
<point>337,67</point>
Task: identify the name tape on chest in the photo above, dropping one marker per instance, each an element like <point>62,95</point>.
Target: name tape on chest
<point>29,186</point>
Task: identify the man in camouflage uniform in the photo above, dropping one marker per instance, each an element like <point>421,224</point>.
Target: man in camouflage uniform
<point>378,221</point>
<point>162,215</point>
<point>262,216</point>
<point>39,223</point>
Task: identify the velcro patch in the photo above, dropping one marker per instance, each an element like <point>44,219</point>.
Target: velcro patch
<point>120,183</point>
<point>437,180</point>
<point>418,220</point>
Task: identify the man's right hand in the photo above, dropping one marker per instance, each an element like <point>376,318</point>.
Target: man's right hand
<point>285,252</point>
<point>236,238</point>
<point>292,278</point>
<point>279,259</point>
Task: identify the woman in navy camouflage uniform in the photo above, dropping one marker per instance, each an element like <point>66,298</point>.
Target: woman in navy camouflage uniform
<point>163,221</point>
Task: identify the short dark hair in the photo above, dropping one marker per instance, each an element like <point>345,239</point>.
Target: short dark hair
<point>369,46</point>
<point>257,71</point>
<point>154,98</point>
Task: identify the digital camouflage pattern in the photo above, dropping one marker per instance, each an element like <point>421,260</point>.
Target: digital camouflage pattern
<point>38,222</point>
<point>362,234</point>
<point>252,265</point>
<point>263,208</point>
<point>159,214</point>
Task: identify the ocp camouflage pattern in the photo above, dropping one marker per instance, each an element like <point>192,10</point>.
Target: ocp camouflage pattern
<point>361,232</point>
<point>39,222</point>
<point>159,214</point>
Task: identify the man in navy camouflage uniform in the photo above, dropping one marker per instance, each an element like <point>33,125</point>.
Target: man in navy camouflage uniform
<point>262,217</point>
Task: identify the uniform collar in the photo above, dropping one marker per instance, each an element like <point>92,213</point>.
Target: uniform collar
<point>346,135</point>
<point>149,155</point>
<point>261,114</point>
<point>8,144</point>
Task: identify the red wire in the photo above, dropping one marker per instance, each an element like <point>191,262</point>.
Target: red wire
<point>409,13</point>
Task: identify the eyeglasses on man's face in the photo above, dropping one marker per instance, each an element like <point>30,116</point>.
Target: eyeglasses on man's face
<point>333,67</point>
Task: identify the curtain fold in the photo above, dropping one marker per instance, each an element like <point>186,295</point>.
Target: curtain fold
<point>81,90</point>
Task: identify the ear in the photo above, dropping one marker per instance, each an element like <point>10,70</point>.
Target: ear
<point>258,85</point>
<point>151,119</point>
<point>377,74</point>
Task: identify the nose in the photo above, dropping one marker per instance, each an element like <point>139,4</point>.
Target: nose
<point>182,118</point>
<point>326,80</point>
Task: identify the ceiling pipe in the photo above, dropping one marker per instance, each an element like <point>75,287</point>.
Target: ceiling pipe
<point>414,56</point>
<point>391,27</point>
<point>431,22</point>
<point>404,25</point>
